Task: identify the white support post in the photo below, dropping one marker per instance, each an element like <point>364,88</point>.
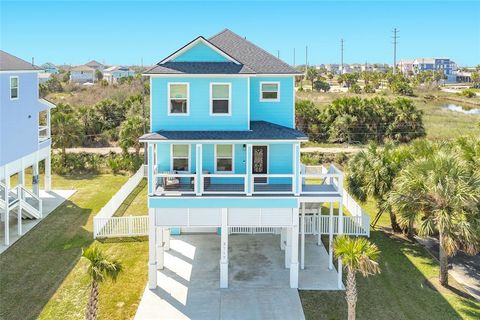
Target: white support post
<point>19,219</point>
<point>152,184</point>
<point>340,231</point>
<point>160,246</point>
<point>48,173</point>
<point>35,180</point>
<point>248,169</point>
<point>302,242</point>
<point>340,272</point>
<point>330,237</point>
<point>319,216</point>
<point>166,238</point>
<point>21,174</point>
<point>224,250</point>
<point>294,251</point>
<point>296,167</point>
<point>6,217</point>
<point>288,247</point>
<point>152,259</point>
<point>199,169</point>
<point>283,238</point>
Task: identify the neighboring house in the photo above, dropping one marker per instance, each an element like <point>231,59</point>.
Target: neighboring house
<point>95,65</point>
<point>433,64</point>
<point>112,74</point>
<point>406,66</point>
<point>50,68</point>
<point>44,77</point>
<point>82,74</point>
<point>464,76</point>
<point>223,151</point>
<point>24,139</point>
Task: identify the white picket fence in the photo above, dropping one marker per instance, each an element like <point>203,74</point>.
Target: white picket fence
<point>352,225</point>
<point>253,230</point>
<point>105,225</point>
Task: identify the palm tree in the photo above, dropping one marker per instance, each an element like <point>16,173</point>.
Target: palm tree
<point>442,194</point>
<point>312,74</point>
<point>130,132</point>
<point>66,128</point>
<point>100,268</point>
<point>358,255</point>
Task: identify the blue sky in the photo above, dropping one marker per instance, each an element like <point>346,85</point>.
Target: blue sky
<point>126,32</point>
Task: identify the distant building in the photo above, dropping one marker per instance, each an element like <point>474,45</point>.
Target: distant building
<point>433,64</point>
<point>406,66</point>
<point>95,65</point>
<point>44,77</point>
<point>464,76</point>
<point>112,74</point>
<point>82,74</point>
<point>49,68</point>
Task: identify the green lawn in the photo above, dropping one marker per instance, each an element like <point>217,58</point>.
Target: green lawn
<point>42,275</point>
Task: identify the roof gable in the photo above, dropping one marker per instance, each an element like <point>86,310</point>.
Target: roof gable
<point>199,50</point>
<point>9,62</point>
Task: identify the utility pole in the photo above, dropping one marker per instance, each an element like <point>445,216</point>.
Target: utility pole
<point>294,57</point>
<point>341,54</point>
<point>395,37</point>
<point>306,60</point>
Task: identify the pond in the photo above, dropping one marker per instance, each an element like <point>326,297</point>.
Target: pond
<point>461,109</point>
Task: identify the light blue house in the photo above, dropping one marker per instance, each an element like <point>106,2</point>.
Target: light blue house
<point>50,68</point>
<point>223,151</point>
<point>112,74</point>
<point>24,139</point>
<point>446,65</point>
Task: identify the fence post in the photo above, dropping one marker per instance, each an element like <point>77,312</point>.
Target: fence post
<point>130,225</point>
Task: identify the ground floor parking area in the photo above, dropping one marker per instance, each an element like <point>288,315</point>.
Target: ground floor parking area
<point>188,285</point>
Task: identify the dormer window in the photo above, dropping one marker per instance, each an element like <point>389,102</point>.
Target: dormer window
<point>220,99</point>
<point>178,98</point>
<point>13,88</point>
<point>270,91</point>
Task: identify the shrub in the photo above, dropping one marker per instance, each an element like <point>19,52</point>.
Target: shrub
<point>469,93</point>
<point>321,86</point>
<point>369,88</point>
<point>401,87</point>
<point>355,88</point>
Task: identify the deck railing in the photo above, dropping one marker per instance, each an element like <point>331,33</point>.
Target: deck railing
<point>315,177</point>
<point>43,133</point>
<point>352,225</point>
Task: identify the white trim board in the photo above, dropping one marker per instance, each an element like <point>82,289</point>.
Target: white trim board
<point>229,99</point>
<point>169,113</point>
<point>215,158</point>
<point>189,169</point>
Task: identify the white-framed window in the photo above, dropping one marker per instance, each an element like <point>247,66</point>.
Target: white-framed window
<point>178,98</point>
<point>224,158</point>
<point>220,99</point>
<point>180,157</point>
<point>270,91</point>
<point>13,88</point>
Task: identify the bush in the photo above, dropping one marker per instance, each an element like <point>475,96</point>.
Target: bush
<point>369,88</point>
<point>355,88</point>
<point>321,86</point>
<point>81,163</point>
<point>469,93</point>
<point>401,87</point>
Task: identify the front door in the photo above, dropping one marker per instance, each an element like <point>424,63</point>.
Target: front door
<point>259,163</point>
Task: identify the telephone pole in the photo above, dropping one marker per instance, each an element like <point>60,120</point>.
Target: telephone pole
<point>294,57</point>
<point>341,56</point>
<point>395,37</point>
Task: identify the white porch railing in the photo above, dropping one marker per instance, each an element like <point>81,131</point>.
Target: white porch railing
<point>43,133</point>
<point>101,220</point>
<point>352,225</point>
<point>253,230</point>
<point>318,179</point>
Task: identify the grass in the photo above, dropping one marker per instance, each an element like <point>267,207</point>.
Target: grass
<point>439,123</point>
<point>136,203</point>
<point>43,276</point>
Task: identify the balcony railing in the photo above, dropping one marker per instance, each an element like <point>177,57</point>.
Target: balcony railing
<point>43,133</point>
<point>318,180</point>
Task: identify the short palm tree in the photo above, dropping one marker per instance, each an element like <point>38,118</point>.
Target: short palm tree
<point>100,268</point>
<point>358,255</point>
<point>442,194</point>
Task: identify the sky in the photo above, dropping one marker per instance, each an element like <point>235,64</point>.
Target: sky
<point>129,32</point>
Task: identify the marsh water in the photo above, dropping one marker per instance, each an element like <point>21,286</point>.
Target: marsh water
<point>460,108</point>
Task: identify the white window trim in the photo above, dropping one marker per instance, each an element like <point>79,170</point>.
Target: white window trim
<point>278,92</point>
<point>229,99</point>
<point>189,157</point>
<point>168,100</point>
<point>10,86</point>
<point>233,158</point>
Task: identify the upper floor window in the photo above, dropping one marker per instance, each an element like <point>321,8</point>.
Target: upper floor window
<point>220,99</point>
<point>224,158</point>
<point>269,91</point>
<point>181,157</point>
<point>178,98</point>
<point>13,88</point>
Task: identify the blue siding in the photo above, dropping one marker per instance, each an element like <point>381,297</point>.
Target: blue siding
<point>201,53</point>
<point>19,119</point>
<point>199,117</point>
<point>281,112</point>
<point>210,202</point>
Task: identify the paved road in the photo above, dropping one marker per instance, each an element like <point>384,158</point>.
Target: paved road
<point>464,268</point>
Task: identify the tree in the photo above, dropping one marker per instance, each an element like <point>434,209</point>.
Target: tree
<point>312,74</point>
<point>321,86</point>
<point>66,128</point>
<point>348,79</point>
<point>442,194</point>
<point>358,255</point>
<point>100,268</point>
<point>98,75</point>
<point>130,132</point>
<point>371,173</point>
<point>475,76</point>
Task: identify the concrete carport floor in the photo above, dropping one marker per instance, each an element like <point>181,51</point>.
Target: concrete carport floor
<point>188,286</point>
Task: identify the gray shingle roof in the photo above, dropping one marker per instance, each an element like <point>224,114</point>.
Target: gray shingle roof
<point>9,62</point>
<point>259,130</point>
<point>249,54</point>
<point>253,60</point>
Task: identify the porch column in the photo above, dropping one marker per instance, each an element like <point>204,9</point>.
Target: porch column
<point>19,219</point>
<point>319,216</point>
<point>198,170</point>
<point>302,242</point>
<point>330,237</point>
<point>294,251</point>
<point>35,180</point>
<point>160,247</point>
<point>288,247</point>
<point>48,173</point>
<point>150,164</point>
<point>21,174</point>
<point>340,231</point>
<point>166,239</point>
<point>297,183</point>
<point>283,238</point>
<point>6,213</point>
<point>224,251</point>
<point>152,257</point>
<point>248,169</point>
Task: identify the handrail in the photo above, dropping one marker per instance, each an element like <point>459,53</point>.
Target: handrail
<point>224,175</point>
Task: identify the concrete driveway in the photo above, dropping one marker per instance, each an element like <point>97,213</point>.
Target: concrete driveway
<point>189,283</point>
